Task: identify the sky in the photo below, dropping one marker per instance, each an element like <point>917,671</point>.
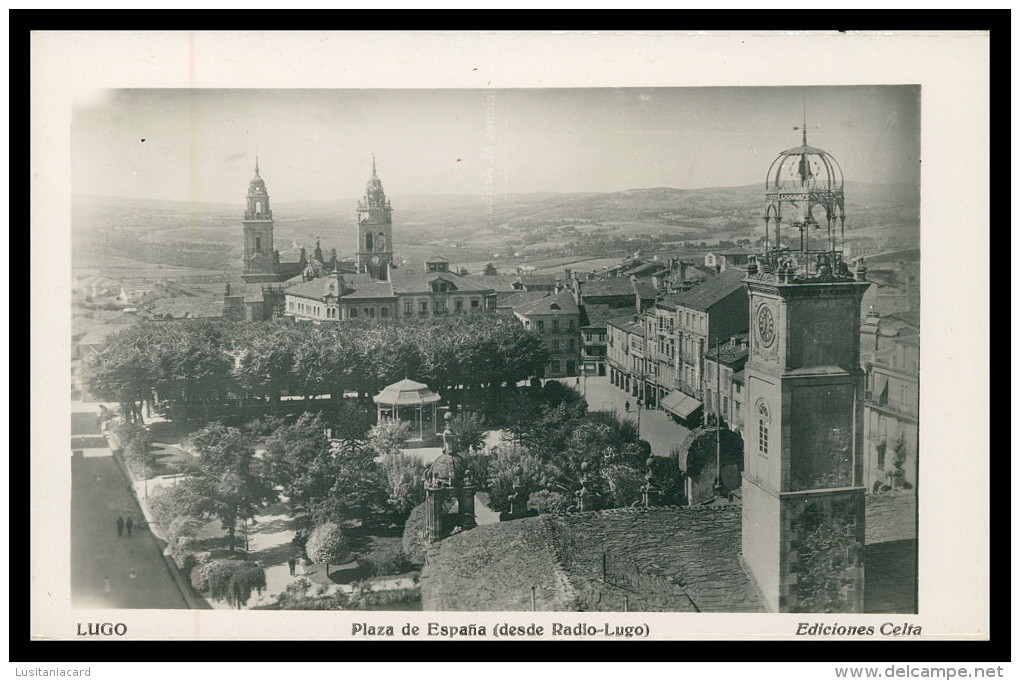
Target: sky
<point>200,144</point>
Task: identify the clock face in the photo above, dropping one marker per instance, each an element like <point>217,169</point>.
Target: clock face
<point>766,326</point>
<point>375,259</point>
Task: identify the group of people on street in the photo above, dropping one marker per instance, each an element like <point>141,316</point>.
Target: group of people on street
<point>124,525</point>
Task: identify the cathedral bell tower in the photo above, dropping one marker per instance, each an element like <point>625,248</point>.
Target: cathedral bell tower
<point>803,494</point>
<point>259,260</point>
<point>375,230</point>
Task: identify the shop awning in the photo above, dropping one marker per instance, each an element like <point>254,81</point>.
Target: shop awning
<point>680,404</point>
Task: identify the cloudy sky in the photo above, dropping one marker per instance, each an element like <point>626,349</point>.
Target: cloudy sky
<point>201,144</point>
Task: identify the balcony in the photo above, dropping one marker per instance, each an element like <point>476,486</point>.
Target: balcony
<point>883,404</point>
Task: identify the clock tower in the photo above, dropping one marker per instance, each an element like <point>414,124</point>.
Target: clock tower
<point>375,230</point>
<point>803,494</point>
<point>259,256</point>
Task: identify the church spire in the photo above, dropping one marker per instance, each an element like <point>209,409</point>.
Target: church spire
<point>256,165</point>
<point>373,166</point>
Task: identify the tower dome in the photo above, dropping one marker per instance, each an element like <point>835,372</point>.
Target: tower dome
<point>804,190</point>
<point>257,184</point>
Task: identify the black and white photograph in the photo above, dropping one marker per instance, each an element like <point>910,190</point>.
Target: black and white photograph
<point>613,348</point>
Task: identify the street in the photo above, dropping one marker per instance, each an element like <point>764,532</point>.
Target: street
<point>99,495</point>
<point>661,432</point>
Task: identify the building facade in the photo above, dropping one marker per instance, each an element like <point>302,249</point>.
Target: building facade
<point>890,416</point>
<point>557,320</point>
<point>724,382</point>
<point>710,312</point>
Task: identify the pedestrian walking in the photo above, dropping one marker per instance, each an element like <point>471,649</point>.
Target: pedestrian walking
<point>626,405</point>
<point>129,524</point>
<point>120,526</point>
<point>291,564</point>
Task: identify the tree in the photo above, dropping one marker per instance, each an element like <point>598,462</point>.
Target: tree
<point>123,370</point>
<point>468,431</point>
<point>404,475</point>
<point>490,269</point>
<point>300,460</point>
<point>389,438</point>
<point>464,272</point>
<point>229,475</point>
<point>328,545</point>
<point>229,580</point>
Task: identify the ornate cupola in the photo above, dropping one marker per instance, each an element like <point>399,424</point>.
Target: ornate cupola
<point>804,189</point>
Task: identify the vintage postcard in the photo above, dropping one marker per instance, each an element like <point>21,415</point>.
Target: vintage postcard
<point>526,336</point>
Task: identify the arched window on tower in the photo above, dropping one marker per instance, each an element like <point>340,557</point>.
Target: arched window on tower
<point>368,241</point>
<point>258,209</point>
<point>381,242</point>
<point>764,418</point>
<point>258,244</point>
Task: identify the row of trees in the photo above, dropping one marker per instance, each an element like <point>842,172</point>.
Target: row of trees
<point>203,362</point>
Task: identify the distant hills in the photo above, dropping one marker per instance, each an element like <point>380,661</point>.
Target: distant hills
<point>145,228</point>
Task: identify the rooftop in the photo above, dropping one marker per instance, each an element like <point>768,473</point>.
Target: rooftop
<point>515,299</point>
<point>599,315</point>
<point>665,559</point>
<point>560,303</point>
<point>611,286</point>
<point>412,281</point>
<point>711,291</point>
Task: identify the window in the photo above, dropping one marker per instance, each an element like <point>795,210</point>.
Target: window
<point>880,454</point>
<point>370,311</point>
<point>423,306</point>
<point>736,409</point>
<point>763,428</point>
<point>726,407</point>
<point>290,304</point>
<point>555,366</point>
<point>556,344</point>
<point>440,307</point>
<point>556,326</point>
<point>474,303</point>
<point>408,307</point>
<point>384,312</point>
<point>458,305</point>
<point>570,343</point>
<point>353,313</point>
<point>258,244</point>
<point>570,325</point>
<point>540,326</point>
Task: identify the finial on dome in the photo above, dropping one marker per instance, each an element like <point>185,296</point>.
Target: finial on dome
<point>256,165</point>
<point>373,165</point>
<point>803,136</point>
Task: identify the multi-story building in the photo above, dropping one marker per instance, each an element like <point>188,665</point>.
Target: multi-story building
<point>714,310</point>
<point>626,354</point>
<point>594,338</point>
<point>616,292</point>
<point>434,292</point>
<point>890,415</point>
<point>724,382</point>
<point>660,351</point>
<point>557,320</point>
<point>438,291</point>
